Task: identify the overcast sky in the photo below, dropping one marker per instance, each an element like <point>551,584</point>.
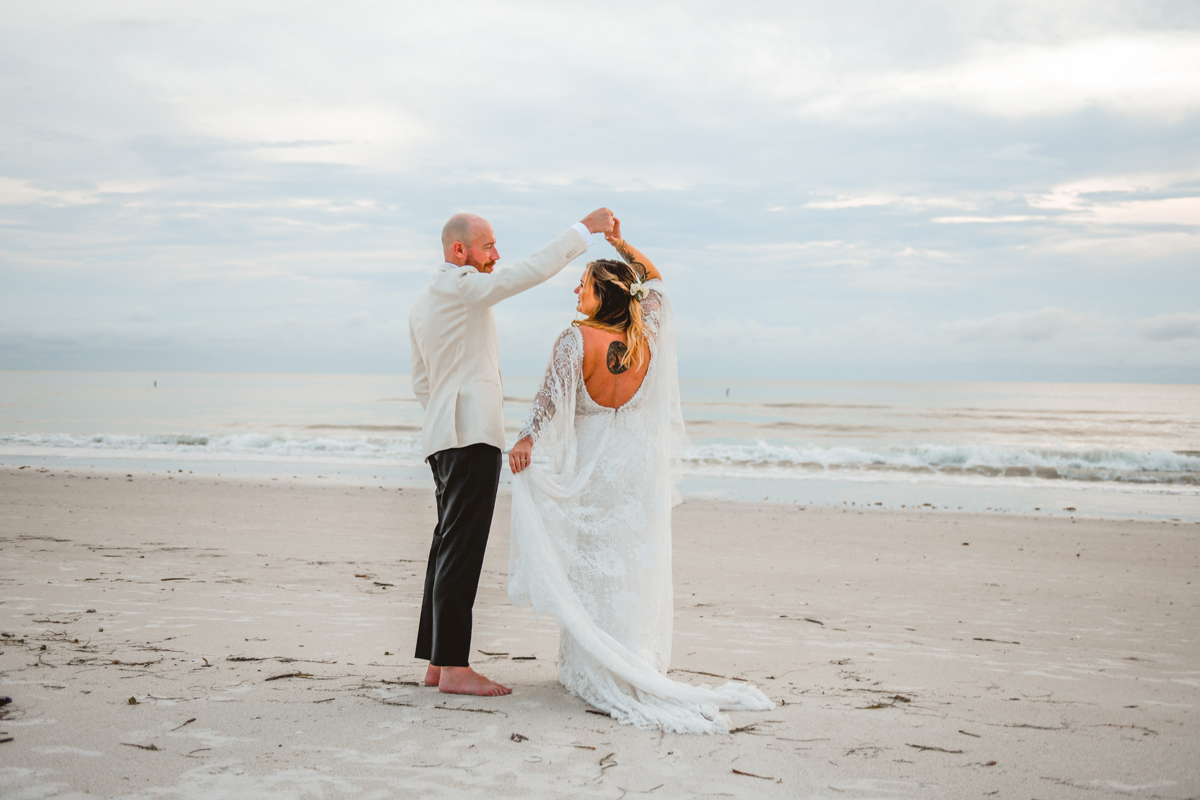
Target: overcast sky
<point>957,191</point>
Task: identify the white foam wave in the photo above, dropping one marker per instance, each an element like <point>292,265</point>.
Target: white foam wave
<point>745,459</point>
<point>1161,466</point>
<point>403,448</point>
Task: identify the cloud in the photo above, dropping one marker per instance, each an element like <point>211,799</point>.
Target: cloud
<point>359,321</point>
<point>21,192</point>
<point>1024,327</point>
<point>1042,344</point>
<point>1155,247</point>
<point>987,220</point>
<point>915,203</point>
<point>18,192</point>
<point>287,129</point>
<point>943,184</point>
<point>1169,211</point>
<point>1075,195</point>
<point>124,186</point>
<point>1141,74</point>
<point>1121,200</point>
<point>1145,73</point>
<point>1170,327</point>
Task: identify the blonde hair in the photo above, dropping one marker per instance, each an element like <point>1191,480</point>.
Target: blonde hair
<point>619,311</point>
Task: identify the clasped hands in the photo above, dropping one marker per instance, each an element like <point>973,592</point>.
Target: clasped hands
<point>602,220</point>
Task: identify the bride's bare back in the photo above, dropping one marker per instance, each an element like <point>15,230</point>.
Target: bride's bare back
<point>607,382</point>
<point>604,379</point>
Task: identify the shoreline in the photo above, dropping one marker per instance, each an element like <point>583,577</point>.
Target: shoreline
<point>264,629</point>
<point>1065,499</point>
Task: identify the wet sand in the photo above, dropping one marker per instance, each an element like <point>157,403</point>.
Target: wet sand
<point>197,637</point>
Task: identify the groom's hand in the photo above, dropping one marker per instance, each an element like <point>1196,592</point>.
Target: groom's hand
<point>599,221</point>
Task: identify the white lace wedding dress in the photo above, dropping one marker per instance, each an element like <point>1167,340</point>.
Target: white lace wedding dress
<point>591,537</point>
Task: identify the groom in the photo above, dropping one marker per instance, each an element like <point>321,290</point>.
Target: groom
<point>456,376</point>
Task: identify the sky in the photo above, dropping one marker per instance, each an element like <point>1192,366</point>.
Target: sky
<point>1003,191</point>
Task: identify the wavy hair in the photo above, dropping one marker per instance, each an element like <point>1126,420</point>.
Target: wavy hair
<point>619,311</point>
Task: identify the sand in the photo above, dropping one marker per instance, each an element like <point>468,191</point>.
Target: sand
<point>199,637</point>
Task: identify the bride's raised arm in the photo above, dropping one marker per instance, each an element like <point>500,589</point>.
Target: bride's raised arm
<point>630,253</point>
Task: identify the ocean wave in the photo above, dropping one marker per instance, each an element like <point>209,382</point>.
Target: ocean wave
<point>761,458</point>
<point>1163,466</point>
<point>239,444</point>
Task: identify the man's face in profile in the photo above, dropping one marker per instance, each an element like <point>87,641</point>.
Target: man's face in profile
<point>482,253</point>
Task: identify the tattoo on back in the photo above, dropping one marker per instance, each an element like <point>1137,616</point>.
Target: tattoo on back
<point>616,350</point>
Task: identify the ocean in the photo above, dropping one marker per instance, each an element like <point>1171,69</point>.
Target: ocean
<point>1098,450</point>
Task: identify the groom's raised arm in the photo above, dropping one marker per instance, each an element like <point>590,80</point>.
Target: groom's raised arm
<point>487,289</point>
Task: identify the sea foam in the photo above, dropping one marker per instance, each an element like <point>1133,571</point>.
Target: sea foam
<point>782,460</point>
<point>1107,464</point>
<point>232,445</point>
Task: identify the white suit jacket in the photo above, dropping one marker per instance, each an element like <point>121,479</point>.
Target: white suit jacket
<point>455,355</point>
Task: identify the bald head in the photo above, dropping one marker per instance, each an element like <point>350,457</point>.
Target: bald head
<point>469,239</point>
<point>459,228</point>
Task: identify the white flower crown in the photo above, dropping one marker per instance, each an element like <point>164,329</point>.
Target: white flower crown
<point>638,290</point>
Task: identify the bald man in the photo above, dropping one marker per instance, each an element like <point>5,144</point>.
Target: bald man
<point>456,377</point>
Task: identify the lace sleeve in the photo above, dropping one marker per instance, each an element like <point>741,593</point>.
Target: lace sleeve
<point>652,307</point>
<point>565,362</point>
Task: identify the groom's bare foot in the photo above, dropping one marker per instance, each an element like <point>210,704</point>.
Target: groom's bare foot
<point>464,680</point>
<point>433,675</point>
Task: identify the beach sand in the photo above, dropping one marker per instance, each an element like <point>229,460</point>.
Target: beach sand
<point>200,637</point>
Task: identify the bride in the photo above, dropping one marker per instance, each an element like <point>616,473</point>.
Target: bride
<point>591,522</point>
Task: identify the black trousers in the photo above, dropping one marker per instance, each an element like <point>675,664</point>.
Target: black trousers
<point>466,479</point>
